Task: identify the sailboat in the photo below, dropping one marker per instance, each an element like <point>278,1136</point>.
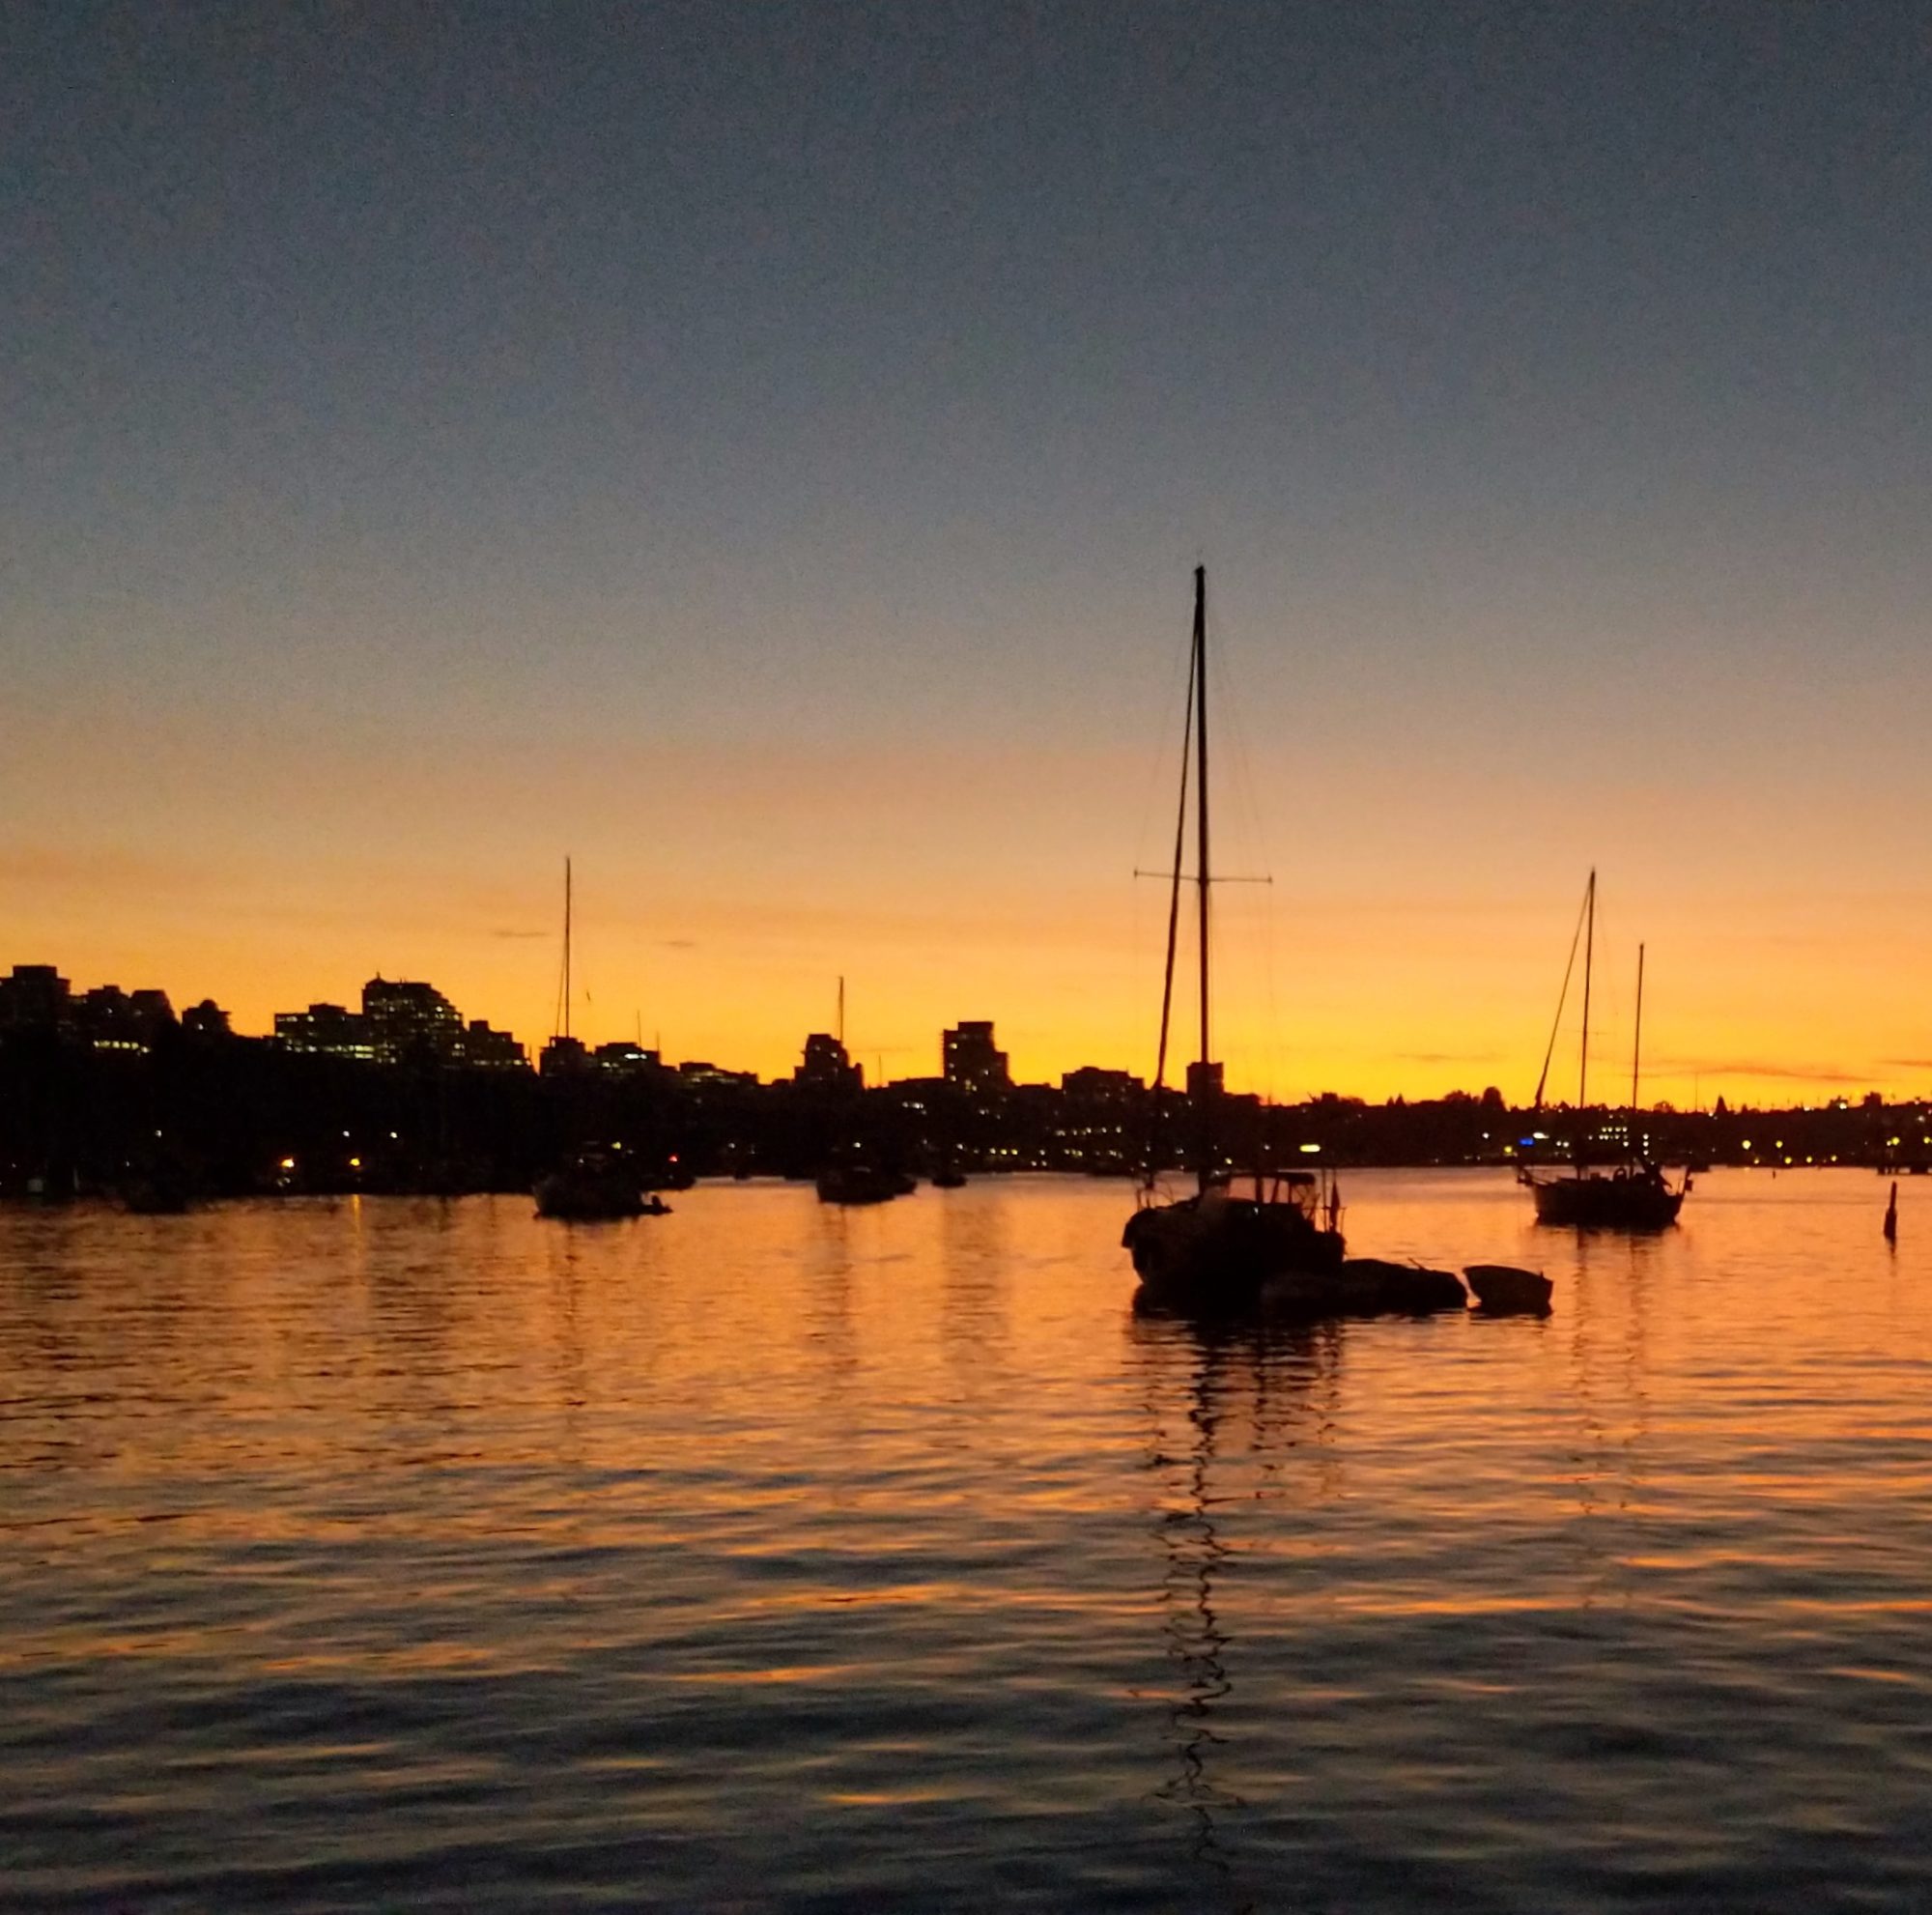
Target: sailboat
<point>851,1175</point>
<point>593,1186</point>
<point>1634,1197</point>
<point>1217,1251</point>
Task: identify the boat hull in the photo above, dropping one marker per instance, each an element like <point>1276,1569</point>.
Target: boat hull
<point>1230,1255</point>
<point>861,1183</point>
<point>1623,1202</point>
<point>581,1195</point>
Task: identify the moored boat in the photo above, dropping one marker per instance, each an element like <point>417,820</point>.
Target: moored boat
<point>1636,1196</point>
<point>854,1180</point>
<point>1633,1198</point>
<point>593,1184</point>
<point>1216,1252</point>
<point>1502,1290</point>
<point>594,1187</point>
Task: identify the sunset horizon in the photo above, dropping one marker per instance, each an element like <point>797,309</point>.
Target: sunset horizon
<point>1217,1194</point>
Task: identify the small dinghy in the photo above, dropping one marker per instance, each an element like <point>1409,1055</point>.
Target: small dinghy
<point>1501,1290</point>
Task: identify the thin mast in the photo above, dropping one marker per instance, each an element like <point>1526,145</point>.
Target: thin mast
<point>1636,1050</point>
<point>566,948</point>
<point>1173,929</point>
<point>1202,874</point>
<point>841,1011</point>
<point>1562,1000</point>
<point>1583,1064</point>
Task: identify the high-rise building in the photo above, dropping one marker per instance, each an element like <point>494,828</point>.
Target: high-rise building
<point>970,1059</point>
<point>1203,1082</point>
<point>561,1055</point>
<point>109,1018</point>
<point>827,1066</point>
<point>410,1021</point>
<point>1091,1082</point>
<point>36,997</point>
<point>331,1030</point>
<point>624,1059</point>
<point>206,1019</point>
<point>699,1074</point>
<point>491,1051</point>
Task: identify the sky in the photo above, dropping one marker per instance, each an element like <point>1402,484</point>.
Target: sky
<point>761,453</point>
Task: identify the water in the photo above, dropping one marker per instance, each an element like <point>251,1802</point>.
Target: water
<point>388,1554</point>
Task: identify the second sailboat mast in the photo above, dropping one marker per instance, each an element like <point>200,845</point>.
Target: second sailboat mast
<point>1583,1051</point>
<point>1202,875</point>
<point>1201,872</point>
<point>1636,1051</point>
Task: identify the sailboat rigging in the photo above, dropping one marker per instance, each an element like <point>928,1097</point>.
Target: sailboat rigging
<point>1214,1250</point>
<point>593,1185</point>
<point>1634,1197</point>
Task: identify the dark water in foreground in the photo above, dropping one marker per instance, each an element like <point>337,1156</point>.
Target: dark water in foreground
<point>394,1553</point>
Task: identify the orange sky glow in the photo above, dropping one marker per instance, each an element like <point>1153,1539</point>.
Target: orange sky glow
<point>1411,940</point>
<point>768,466</point>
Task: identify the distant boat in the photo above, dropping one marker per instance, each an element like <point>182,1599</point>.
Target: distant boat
<point>947,1178</point>
<point>855,1181</point>
<point>1635,1196</point>
<point>595,1188</point>
<point>594,1185</point>
<point>1215,1253</point>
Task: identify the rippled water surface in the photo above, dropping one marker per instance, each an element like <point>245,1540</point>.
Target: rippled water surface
<point>393,1553</point>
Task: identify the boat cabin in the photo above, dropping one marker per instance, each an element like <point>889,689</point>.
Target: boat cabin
<point>1311,1192</point>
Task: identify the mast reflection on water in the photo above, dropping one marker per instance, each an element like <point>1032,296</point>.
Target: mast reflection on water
<point>1248,1391</point>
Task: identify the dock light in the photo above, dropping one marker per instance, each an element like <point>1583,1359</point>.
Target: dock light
<point>1309,1150</point>
<point>1747,1144</point>
<point>355,1164</point>
<point>288,1163</point>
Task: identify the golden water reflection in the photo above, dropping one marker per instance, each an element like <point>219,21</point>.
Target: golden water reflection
<point>766,1519</point>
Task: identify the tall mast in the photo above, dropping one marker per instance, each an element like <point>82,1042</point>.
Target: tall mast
<point>1201,872</point>
<point>566,948</point>
<point>1636,1050</point>
<point>1583,1064</point>
<point>1203,876</point>
<point>841,1011</point>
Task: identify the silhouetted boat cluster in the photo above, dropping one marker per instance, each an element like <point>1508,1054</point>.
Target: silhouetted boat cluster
<point>1280,1250</point>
